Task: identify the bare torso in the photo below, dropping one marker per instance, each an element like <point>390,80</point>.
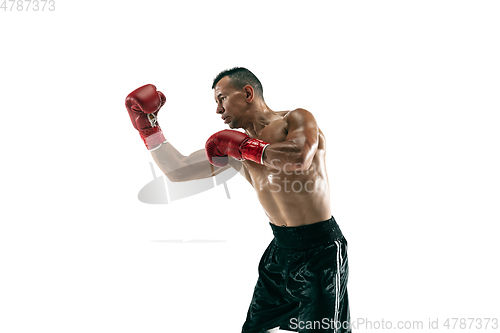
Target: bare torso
<point>291,198</point>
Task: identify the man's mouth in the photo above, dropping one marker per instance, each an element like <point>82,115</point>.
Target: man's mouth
<point>226,119</point>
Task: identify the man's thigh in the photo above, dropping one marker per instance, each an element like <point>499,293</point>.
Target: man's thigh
<point>269,306</point>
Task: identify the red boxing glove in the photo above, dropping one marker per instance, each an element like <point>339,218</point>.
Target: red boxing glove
<point>143,105</point>
<point>235,144</point>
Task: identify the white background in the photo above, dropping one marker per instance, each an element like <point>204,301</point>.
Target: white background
<point>406,92</point>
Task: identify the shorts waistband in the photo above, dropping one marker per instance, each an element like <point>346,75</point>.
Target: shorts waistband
<point>306,235</point>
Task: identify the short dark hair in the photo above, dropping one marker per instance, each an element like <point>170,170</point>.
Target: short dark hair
<point>240,77</point>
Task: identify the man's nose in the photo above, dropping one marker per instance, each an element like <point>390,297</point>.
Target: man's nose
<point>219,109</point>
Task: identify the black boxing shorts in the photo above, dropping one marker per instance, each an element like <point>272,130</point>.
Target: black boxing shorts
<point>302,284</point>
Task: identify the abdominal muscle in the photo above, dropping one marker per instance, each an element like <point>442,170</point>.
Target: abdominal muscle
<point>294,198</point>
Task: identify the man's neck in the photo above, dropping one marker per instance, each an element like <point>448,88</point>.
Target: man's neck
<point>259,117</point>
<point>258,122</point>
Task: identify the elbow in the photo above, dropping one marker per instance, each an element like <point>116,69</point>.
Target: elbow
<point>174,176</point>
<point>177,173</point>
<point>300,163</point>
<point>304,157</point>
<point>304,160</point>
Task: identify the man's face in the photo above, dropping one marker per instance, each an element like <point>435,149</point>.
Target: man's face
<point>231,103</point>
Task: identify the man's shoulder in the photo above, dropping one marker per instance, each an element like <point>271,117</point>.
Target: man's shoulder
<point>295,112</point>
<point>298,116</point>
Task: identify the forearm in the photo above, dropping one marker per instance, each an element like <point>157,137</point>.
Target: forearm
<point>178,167</point>
<point>288,156</point>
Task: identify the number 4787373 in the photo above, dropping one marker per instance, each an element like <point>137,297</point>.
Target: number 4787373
<point>28,5</point>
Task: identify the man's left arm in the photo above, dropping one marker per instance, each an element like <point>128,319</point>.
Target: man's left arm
<point>300,145</point>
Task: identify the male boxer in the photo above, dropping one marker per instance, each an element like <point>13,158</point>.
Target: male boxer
<point>302,284</point>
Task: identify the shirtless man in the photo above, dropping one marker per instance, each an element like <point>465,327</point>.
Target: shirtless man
<point>302,284</point>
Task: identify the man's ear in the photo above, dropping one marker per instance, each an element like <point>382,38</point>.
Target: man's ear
<point>249,93</point>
